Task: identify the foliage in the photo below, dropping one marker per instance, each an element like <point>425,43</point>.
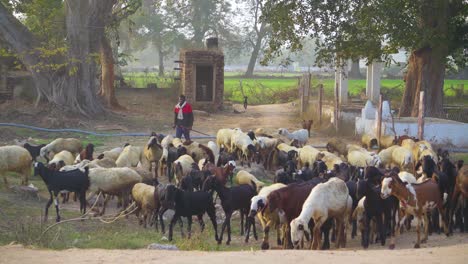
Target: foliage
<point>369,29</point>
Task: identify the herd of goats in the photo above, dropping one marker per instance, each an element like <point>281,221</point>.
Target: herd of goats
<point>376,187</point>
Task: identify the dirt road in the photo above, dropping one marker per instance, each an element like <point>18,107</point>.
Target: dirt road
<point>451,254</point>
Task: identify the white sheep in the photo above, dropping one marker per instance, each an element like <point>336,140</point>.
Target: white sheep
<point>143,195</point>
<point>130,156</point>
<point>329,199</point>
<point>182,167</point>
<point>71,144</point>
<point>81,166</point>
<point>223,138</point>
<point>214,148</point>
<point>65,156</point>
<point>244,145</point>
<point>265,216</point>
<point>307,154</point>
<point>403,158</point>
<point>111,154</point>
<point>386,156</point>
<point>244,177</point>
<point>113,181</point>
<point>17,159</point>
<point>363,158</point>
<point>407,177</point>
<point>301,135</point>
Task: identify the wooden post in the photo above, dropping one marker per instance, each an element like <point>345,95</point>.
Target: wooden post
<point>379,119</point>
<point>320,103</point>
<point>421,116</point>
<point>337,106</point>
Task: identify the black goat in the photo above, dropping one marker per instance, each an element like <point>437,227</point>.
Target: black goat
<point>195,179</point>
<point>232,199</point>
<point>375,207</point>
<point>56,181</point>
<point>187,204</point>
<point>34,150</point>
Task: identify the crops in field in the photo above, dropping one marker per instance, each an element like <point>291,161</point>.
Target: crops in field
<point>280,89</point>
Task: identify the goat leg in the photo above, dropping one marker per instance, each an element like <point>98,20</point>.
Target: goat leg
<point>200,221</point>
<point>47,206</point>
<point>247,227</point>
<point>57,208</point>
<point>189,226</point>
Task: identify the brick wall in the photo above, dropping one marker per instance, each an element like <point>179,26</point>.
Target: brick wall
<point>190,59</point>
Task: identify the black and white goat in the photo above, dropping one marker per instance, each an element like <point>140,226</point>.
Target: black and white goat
<point>56,181</point>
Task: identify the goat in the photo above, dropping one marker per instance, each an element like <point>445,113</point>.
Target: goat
<point>232,199</point>
<point>34,150</point>
<point>56,181</point>
<point>187,204</point>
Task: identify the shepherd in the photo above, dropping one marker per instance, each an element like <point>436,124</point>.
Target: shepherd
<point>183,119</point>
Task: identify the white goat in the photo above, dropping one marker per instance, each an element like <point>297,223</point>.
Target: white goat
<point>301,135</point>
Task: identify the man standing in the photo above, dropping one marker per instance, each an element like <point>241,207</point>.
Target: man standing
<point>183,119</point>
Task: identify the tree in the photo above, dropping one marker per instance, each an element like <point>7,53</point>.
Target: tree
<point>202,18</point>
<point>67,76</point>
<point>258,33</point>
<point>432,30</point>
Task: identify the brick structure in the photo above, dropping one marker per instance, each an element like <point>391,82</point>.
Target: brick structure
<point>202,77</point>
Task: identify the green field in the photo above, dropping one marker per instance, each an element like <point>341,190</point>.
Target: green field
<point>277,89</point>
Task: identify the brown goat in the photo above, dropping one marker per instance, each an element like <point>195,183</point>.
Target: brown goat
<point>307,124</point>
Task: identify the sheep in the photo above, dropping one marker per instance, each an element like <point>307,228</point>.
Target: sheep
<point>286,148</point>
<point>265,146</point>
<point>79,166</point>
<point>113,153</point>
<point>113,181</point>
<point>387,141</point>
<point>402,157</point>
<point>265,216</point>
<point>223,138</point>
<point>130,157</point>
<point>17,159</point>
<point>330,159</point>
<point>144,197</point>
<point>330,199</point>
<point>34,150</point>
<point>243,177</point>
<point>103,163</point>
<point>65,156</point>
<point>199,151</point>
<point>307,154</point>
<point>56,181</point>
<point>301,135</point>
<point>369,141</point>
<point>71,144</point>
<point>337,145</point>
<point>243,144</point>
<point>363,158</point>
<point>386,156</point>
<point>153,152</point>
<point>214,148</point>
<point>407,177</point>
<point>182,167</point>
<point>86,153</point>
<point>260,132</point>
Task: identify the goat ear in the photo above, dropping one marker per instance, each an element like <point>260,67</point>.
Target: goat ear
<point>300,227</point>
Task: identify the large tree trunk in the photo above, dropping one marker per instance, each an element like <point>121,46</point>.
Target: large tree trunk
<point>73,88</point>
<point>107,91</point>
<point>426,66</point>
<point>102,12</point>
<point>355,73</point>
<point>256,49</point>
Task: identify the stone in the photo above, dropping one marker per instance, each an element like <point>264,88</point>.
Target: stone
<point>162,246</point>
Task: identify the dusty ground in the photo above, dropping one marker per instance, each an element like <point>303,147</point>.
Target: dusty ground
<point>151,110</point>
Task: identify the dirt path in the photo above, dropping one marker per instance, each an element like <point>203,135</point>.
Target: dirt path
<point>449,254</point>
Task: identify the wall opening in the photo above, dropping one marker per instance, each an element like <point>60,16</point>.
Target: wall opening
<point>204,83</point>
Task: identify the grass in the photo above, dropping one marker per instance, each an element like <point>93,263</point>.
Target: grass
<point>267,88</point>
<point>20,222</point>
